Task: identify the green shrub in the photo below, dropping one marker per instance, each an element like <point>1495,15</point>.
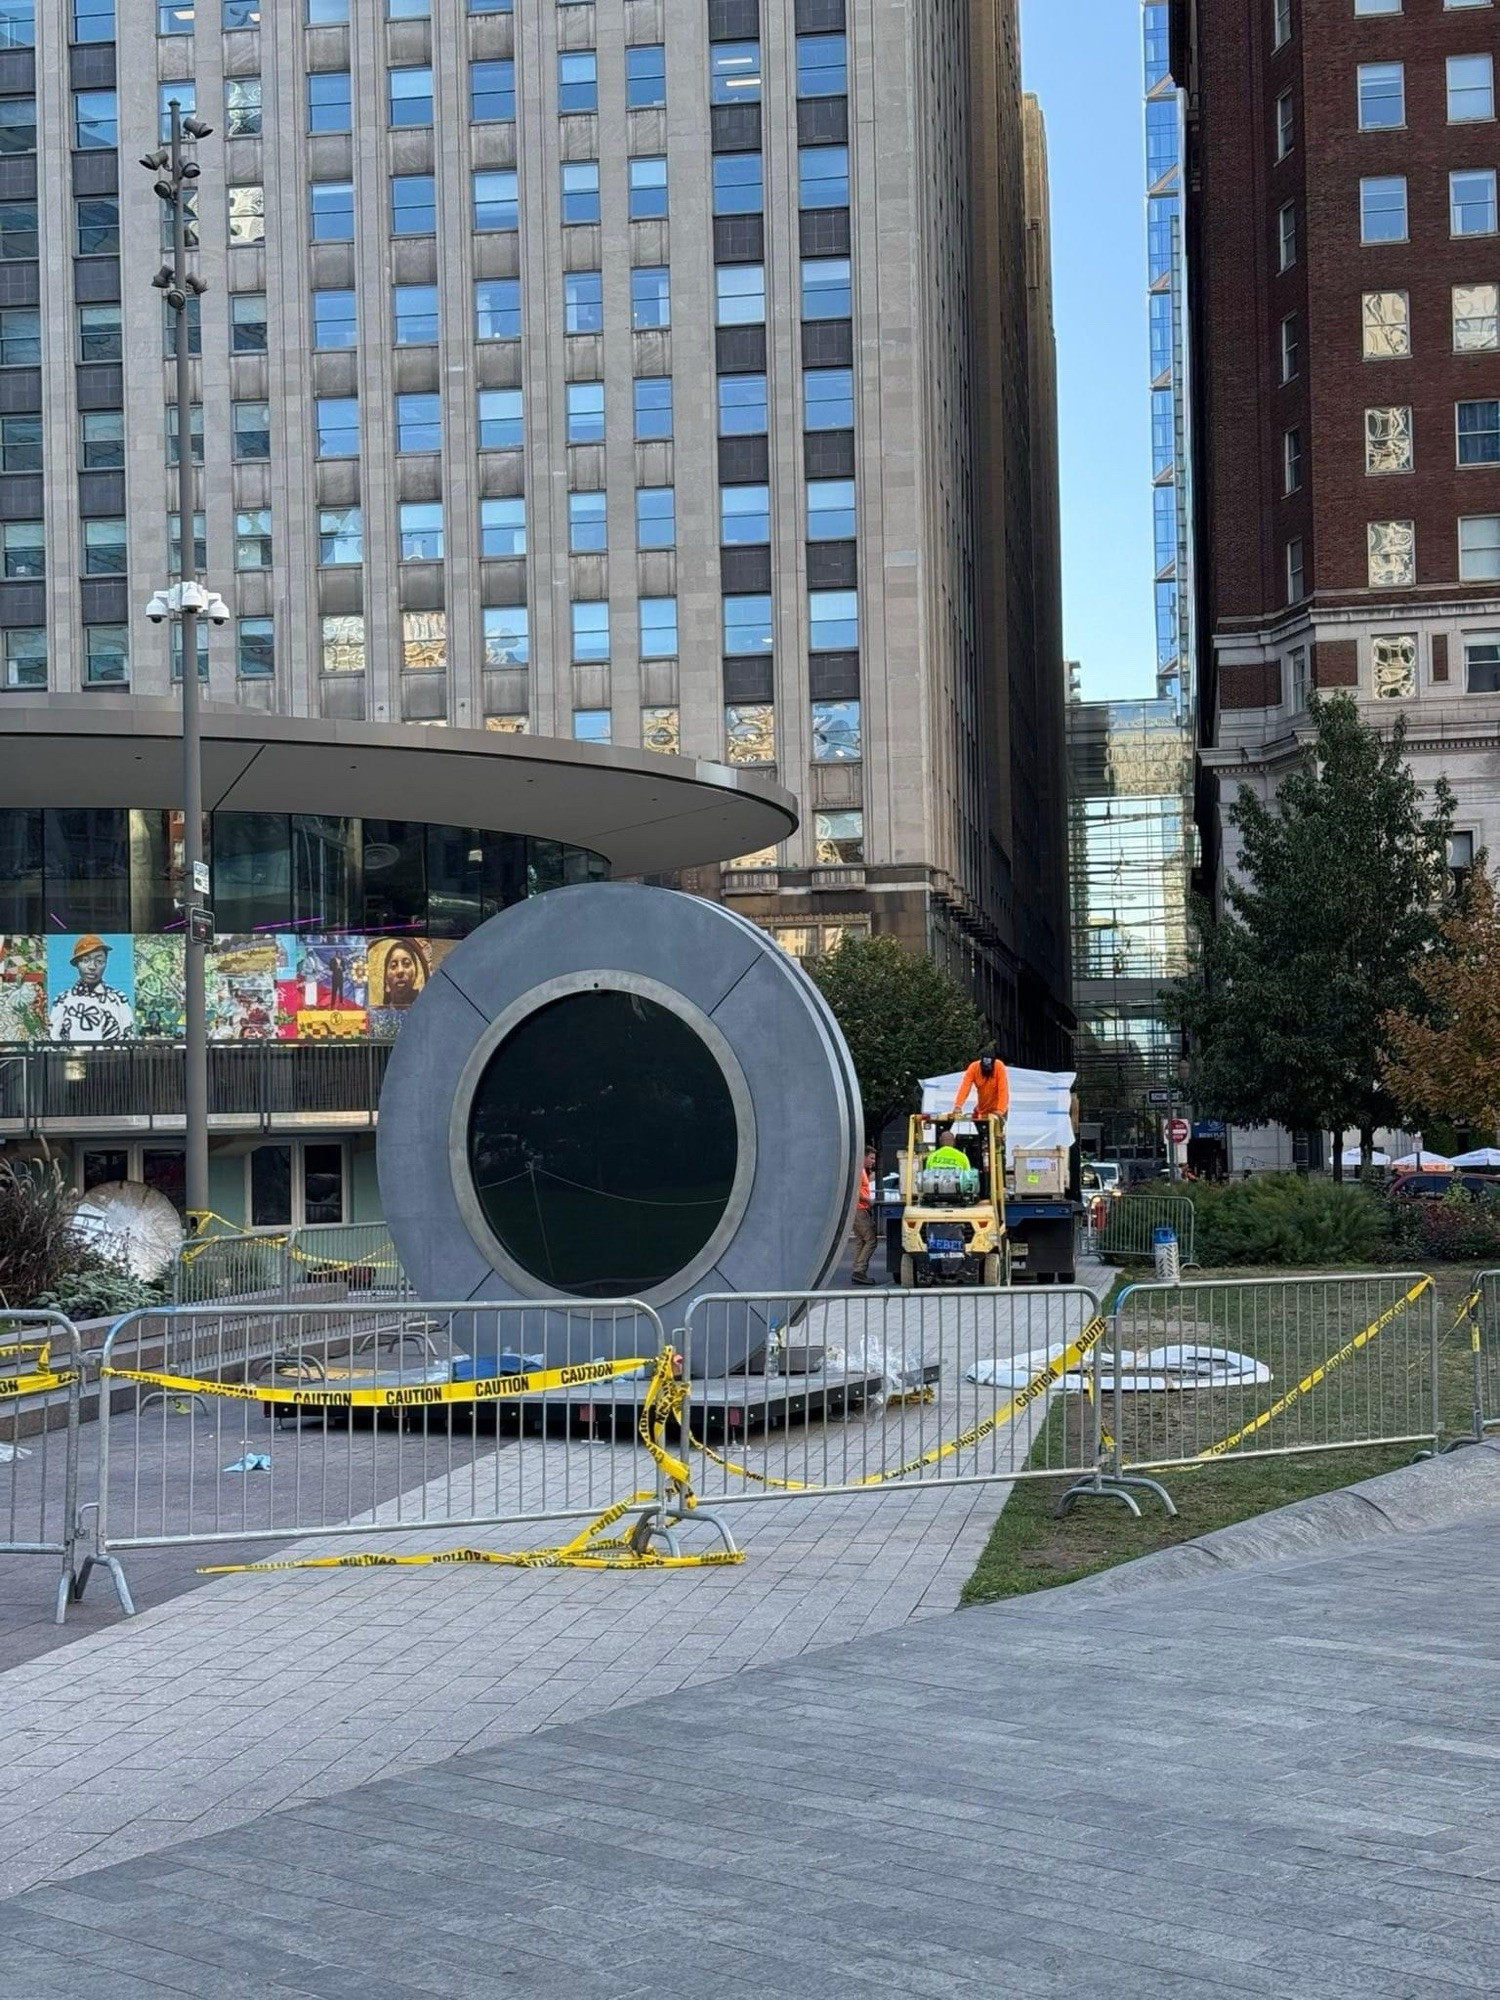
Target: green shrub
<point>97,1290</point>
<point>1287,1219</point>
<point>1454,1228</point>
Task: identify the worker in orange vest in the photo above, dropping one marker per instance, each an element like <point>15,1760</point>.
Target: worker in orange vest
<point>990,1083</point>
<point>865,1233</point>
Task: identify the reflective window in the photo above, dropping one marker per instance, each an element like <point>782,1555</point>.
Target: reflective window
<point>247,215</point>
<point>502,527</point>
<point>583,302</point>
<point>101,440</point>
<point>421,527</point>
<point>1386,321</point>
<point>336,426</point>
<point>740,294</point>
<point>590,632</point>
<point>823,177</point>
<point>247,323</point>
<point>414,315</point>
<point>256,659</point>
<point>492,91</point>
<point>329,107</point>
<point>825,288</point>
<point>750,733</point>
<point>21,443</point>
<point>830,510</point>
<point>828,399</point>
<point>507,641</point>
<point>744,515</point>
<point>343,639</point>
<point>835,732</point>
<point>242,107</point>
<point>424,641</point>
<point>655,517</point>
<point>585,412</point>
<point>1382,209</point>
<point>742,405</point>
<point>341,540</point>
<point>578,80</point>
<point>739,184</point>
<point>96,120</point>
<point>832,620</point>
<point>331,211</point>
<point>250,429</point>
<point>658,628</point>
<point>1479,549</point>
<point>334,320</point>
<point>821,66</point>
<point>1476,318</point>
<point>838,838</point>
<point>653,407</point>
<point>419,423</point>
<point>747,624</point>
<point>252,539</point>
<point>24,649</point>
<point>1381,90</point>
<point>645,76</point>
<point>588,533</point>
<point>1471,202</point>
<point>1471,88</point>
<point>580,191</point>
<point>414,205</point>
<point>501,427</point>
<point>648,189</point>
<point>497,309</point>
<point>734,72</point>
<point>21,336</point>
<point>410,96</point>
<point>1479,433</point>
<point>591,725</point>
<point>650,299</point>
<point>105,549</point>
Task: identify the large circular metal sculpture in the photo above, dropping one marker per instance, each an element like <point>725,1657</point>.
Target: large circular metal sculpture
<point>618,1092</point>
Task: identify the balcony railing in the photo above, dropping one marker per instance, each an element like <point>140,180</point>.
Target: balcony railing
<point>251,1085</point>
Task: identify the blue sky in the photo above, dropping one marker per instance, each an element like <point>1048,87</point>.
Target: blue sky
<point>1083,60</point>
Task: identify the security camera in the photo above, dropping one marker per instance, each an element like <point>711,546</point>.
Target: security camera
<point>216,611</point>
<point>158,608</point>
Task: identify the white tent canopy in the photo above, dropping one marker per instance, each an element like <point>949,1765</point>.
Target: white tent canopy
<point>1377,1159</point>
<point>1433,1162</point>
<point>1039,1113</point>
<point>1482,1156</point>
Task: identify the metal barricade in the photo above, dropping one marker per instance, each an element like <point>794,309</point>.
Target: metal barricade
<point>358,1257</point>
<point>1131,1221</point>
<point>226,1427</point>
<point>800,1394</point>
<point>1252,1367</point>
<point>253,1265</point>
<point>41,1378</point>
<point>1484,1325</point>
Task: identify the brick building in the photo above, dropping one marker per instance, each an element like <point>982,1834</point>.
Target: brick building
<point>1344,265</point>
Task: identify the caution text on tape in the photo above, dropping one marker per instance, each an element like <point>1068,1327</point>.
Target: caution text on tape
<point>408,1396</point>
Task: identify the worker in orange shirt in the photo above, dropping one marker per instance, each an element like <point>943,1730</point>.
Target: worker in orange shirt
<point>990,1082</point>
<point>865,1233</point>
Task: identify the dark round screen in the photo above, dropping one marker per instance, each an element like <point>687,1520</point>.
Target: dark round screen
<point>602,1144</point>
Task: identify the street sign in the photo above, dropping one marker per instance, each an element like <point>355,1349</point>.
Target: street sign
<point>1159,1099</point>
<point>200,925</point>
<point>200,878</point>
<point>1177,1131</point>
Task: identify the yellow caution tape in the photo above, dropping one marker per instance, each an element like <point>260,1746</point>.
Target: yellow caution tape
<point>410,1396</point>
<point>592,1548</point>
<point>1040,1383</point>
<point>1324,1368</point>
<point>32,1385</point>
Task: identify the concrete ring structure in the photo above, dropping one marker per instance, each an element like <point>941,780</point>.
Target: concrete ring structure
<point>772,1048</point>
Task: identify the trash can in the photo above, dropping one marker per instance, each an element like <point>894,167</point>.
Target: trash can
<point>1164,1252</point>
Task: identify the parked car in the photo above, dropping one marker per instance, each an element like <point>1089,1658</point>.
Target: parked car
<point>1425,1186</point>
<point>1102,1177</point>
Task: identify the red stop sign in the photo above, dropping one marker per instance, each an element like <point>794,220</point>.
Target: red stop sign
<point>1177,1131</point>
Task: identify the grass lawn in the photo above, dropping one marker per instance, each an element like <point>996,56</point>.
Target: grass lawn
<point>1382,1387</point>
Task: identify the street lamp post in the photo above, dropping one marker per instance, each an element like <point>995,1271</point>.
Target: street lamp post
<point>175,179</point>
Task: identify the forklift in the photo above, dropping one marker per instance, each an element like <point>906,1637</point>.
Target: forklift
<point>953,1218</point>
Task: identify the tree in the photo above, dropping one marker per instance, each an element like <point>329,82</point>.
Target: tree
<point>1336,898</point>
<point>1443,1056</point>
<point>903,1019</point>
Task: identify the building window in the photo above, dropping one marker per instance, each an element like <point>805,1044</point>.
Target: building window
<point>1286,236</point>
<point>101,440</point>
<point>250,430</point>
<point>195,433</point>
<point>1291,460</point>
<point>500,423</point>
<point>419,423</point>
<point>1380,6</point>
<point>750,734</point>
<point>830,510</point>
<point>578,81</point>
<point>1388,439</point>
<point>21,336</point>
<point>1392,554</point>
<point>590,633</point>
<point>1386,321</point>
<point>336,427</point>
<point>247,215</point>
<point>1281,23</point>
<point>331,211</point>
<point>1471,89</point>
<point>242,107</point>
<point>583,302</point>
<point>257,649</point>
<point>650,298</point>
<point>1479,549</point>
<point>740,295</point>
<point>580,191</point>
<point>739,184</point>
<point>200,647</point>
<point>21,443</point>
<point>334,320</point>
<point>106,655</point>
<point>1297,678</point>
<point>424,641</point>
<point>1481,676</point>
<point>414,205</point>
<point>828,399</point>
<point>822,66</point>
<point>497,309</point>
<point>239,13</point>
<point>823,177</point>
<point>1295,579</point>
<point>506,635</point>
<point>658,628</point>
<point>1291,353</point>
<point>252,539</point>
<point>838,839</point>
<point>1471,202</point>
<point>585,412</point>
<point>653,407</point>
<point>97,219</point>
<point>661,730</point>
<point>421,529</point>
<point>329,101</point>
<point>744,516</point>
<point>96,121</point>
<point>410,96</point>
<point>93,20</point>
<point>341,537</point>
<point>742,405</point>
<point>1393,665</point>
<point>1382,96</point>
<point>1382,209</point>
<point>591,725</point>
<point>344,644</point>
<point>645,76</point>
<point>502,527</point>
<point>648,188</point>
<point>414,315</point>
<point>1476,319</point>
<point>1479,433</point>
<point>655,517</point>
<point>826,292</point>
<point>247,323</point>
<point>747,624</point>
<point>832,620</point>
<point>184,95</point>
<point>588,532</point>
<point>734,72</point>
<point>492,92</point>
<point>25,649</point>
<point>174,545</point>
<point>104,548</point>
<point>835,732</point>
<point>1285,126</point>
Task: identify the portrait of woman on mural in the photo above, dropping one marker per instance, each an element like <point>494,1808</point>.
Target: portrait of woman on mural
<point>399,969</point>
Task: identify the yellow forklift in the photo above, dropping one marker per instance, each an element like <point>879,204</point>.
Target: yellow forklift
<point>953,1217</point>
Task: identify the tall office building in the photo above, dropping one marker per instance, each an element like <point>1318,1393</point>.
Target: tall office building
<point>1171,461</point>
<point>1342,239</point>
<point>667,377</point>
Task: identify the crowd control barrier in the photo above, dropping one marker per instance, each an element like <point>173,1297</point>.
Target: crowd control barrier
<point>40,1386</point>
<point>230,1427</point>
<point>343,1259</point>
<point>1131,1223</point>
<point>1480,1315</point>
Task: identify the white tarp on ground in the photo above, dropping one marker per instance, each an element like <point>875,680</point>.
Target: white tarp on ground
<point>1179,1367</point>
<point>1039,1113</point>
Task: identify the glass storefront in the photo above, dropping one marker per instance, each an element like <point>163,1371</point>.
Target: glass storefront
<point>326,927</point>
